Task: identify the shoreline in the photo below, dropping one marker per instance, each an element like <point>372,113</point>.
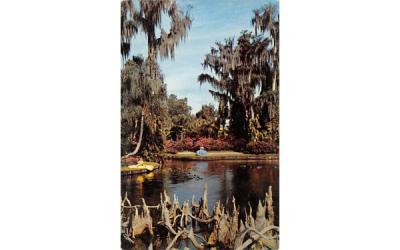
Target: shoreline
<point>191,156</point>
<point>220,155</point>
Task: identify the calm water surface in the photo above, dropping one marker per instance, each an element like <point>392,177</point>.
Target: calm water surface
<point>247,181</point>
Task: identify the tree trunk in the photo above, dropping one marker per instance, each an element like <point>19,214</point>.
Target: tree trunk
<point>152,52</point>
<point>140,136</point>
<point>274,83</point>
<point>151,62</point>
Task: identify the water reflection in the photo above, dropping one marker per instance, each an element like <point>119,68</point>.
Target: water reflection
<point>247,181</point>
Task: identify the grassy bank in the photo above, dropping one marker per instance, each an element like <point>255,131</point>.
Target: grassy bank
<point>220,155</point>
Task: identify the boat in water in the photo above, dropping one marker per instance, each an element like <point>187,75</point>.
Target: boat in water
<point>139,168</point>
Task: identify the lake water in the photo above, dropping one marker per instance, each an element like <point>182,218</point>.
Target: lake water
<point>247,181</point>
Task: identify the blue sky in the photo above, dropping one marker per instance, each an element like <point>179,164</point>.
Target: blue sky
<point>213,20</point>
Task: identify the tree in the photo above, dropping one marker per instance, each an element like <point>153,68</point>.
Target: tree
<point>128,27</point>
<point>266,22</point>
<point>132,76</point>
<point>207,113</point>
<point>179,115</point>
<point>236,74</point>
<point>204,123</point>
<point>244,76</point>
<point>145,99</point>
<point>148,19</point>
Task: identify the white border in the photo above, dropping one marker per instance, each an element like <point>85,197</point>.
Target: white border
<point>59,133</point>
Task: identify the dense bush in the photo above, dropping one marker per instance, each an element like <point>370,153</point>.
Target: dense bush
<point>261,147</point>
<point>238,144</point>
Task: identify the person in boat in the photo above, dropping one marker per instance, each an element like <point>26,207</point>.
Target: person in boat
<point>201,152</point>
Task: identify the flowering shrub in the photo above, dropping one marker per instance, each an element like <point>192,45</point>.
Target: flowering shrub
<point>184,145</point>
<point>188,144</point>
<point>212,144</point>
<point>220,144</point>
<point>173,147</point>
<point>170,147</point>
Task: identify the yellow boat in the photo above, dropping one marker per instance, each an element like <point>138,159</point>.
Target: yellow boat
<point>140,168</point>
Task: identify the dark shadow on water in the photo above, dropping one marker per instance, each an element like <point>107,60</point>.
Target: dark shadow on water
<point>247,181</point>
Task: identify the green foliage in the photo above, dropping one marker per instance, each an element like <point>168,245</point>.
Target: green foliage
<point>139,92</point>
<point>207,113</point>
<point>153,142</point>
<point>143,92</point>
<point>244,76</point>
<point>179,117</point>
<point>205,123</point>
